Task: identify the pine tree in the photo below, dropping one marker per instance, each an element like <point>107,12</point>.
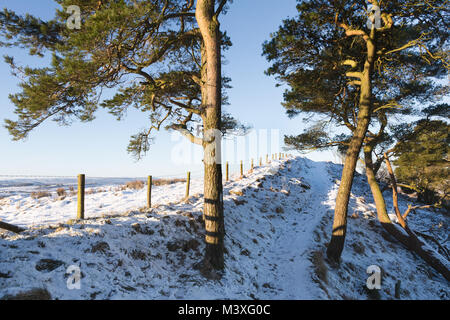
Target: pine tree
<point>162,57</point>
<point>422,159</point>
<point>353,67</point>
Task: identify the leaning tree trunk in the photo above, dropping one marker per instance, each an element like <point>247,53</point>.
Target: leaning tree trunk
<point>407,238</point>
<point>212,91</point>
<point>336,244</point>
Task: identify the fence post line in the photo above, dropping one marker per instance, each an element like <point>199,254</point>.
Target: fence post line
<point>149,191</point>
<point>227,176</point>
<point>188,182</point>
<point>252,165</point>
<point>260,161</point>
<point>81,185</point>
<point>242,169</point>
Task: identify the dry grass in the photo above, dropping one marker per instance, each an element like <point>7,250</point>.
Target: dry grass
<point>33,294</point>
<point>279,210</point>
<point>138,255</point>
<point>358,247</point>
<point>90,191</point>
<point>320,269</point>
<point>61,192</point>
<point>139,184</point>
<point>162,182</point>
<point>136,185</point>
<point>72,191</point>
<point>40,194</point>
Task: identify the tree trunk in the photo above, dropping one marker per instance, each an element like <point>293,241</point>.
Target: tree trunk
<point>400,219</point>
<point>336,244</point>
<point>408,239</point>
<point>213,192</point>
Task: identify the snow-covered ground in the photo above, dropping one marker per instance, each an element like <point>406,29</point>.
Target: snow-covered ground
<point>277,221</point>
<point>103,197</point>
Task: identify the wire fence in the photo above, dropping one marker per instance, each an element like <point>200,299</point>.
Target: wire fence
<point>67,193</point>
<point>233,165</point>
<point>26,183</point>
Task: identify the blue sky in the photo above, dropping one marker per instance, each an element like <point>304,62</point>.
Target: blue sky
<point>98,148</point>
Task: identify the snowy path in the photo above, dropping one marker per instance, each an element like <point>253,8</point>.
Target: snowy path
<point>292,247</point>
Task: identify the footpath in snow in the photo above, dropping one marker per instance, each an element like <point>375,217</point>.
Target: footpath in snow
<point>277,221</point>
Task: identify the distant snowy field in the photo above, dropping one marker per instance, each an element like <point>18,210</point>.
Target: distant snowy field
<point>19,208</point>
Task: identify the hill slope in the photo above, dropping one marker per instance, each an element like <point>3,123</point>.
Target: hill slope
<point>278,220</point>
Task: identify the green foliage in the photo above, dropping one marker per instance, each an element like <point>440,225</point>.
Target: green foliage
<point>440,110</point>
<point>307,54</point>
<point>29,32</point>
<point>423,157</point>
<point>148,51</point>
<point>314,137</point>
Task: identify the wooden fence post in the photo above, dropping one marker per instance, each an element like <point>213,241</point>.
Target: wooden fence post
<point>260,161</point>
<point>149,191</point>
<point>188,182</point>
<point>242,169</point>
<point>267,159</point>
<point>252,165</point>
<point>397,289</point>
<point>227,172</point>
<point>81,185</point>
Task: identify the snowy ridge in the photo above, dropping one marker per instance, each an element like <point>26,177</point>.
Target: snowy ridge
<point>277,221</point>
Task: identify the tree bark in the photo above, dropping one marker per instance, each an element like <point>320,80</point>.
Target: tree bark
<point>408,239</point>
<point>212,91</point>
<point>339,230</point>
<point>394,192</point>
<point>11,227</point>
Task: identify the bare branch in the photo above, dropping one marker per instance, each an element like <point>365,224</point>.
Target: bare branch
<point>354,32</point>
<point>220,8</point>
<point>185,132</point>
<point>358,75</point>
<point>349,62</point>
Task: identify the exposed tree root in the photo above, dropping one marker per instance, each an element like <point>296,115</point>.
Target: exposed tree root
<point>11,227</point>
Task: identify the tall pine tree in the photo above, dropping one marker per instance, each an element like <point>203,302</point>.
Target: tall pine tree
<point>355,67</point>
<point>162,57</point>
